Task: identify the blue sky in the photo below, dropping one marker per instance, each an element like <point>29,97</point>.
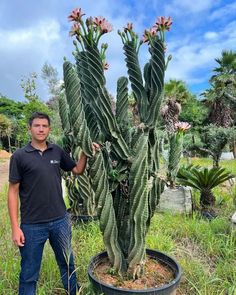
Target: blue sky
<point>34,32</point>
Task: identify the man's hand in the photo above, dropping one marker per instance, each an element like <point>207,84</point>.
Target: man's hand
<point>18,237</point>
<point>80,166</point>
<point>96,147</point>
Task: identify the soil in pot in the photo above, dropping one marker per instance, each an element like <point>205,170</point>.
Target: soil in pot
<point>156,275</point>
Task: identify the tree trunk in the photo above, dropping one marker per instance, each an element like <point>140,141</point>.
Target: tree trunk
<point>9,143</point>
<point>207,199</point>
<point>216,160</point>
<point>234,148</point>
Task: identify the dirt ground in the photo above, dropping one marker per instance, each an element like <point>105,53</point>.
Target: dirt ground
<point>4,166</point>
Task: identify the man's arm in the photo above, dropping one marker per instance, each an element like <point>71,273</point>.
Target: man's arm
<point>81,164</point>
<point>13,207</point>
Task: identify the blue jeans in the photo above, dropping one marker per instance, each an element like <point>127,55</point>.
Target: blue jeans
<point>58,233</point>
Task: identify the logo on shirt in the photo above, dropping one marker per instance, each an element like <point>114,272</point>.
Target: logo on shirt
<point>54,162</point>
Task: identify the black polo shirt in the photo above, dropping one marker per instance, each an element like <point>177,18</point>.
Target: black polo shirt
<point>39,176</point>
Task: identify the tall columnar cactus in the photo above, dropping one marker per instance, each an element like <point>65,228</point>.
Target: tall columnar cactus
<point>175,151</point>
<point>124,174</point>
<point>79,190</point>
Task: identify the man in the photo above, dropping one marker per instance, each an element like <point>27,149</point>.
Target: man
<point>35,176</point>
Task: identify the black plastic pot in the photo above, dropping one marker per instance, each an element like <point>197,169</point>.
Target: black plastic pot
<point>169,289</point>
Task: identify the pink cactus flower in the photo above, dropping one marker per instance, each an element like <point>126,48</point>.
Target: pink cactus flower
<point>98,20</point>
<point>74,29</point>
<point>104,25</point>
<point>182,126</point>
<point>149,33</point>
<point>129,27</point>
<point>164,23</point>
<point>76,15</point>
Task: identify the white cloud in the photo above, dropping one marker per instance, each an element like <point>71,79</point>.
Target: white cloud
<point>223,12</point>
<point>211,35</point>
<point>25,51</point>
<point>186,6</point>
<point>193,61</point>
<point>30,41</point>
<point>47,31</point>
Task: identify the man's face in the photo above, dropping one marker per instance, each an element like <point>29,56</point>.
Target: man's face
<point>39,129</point>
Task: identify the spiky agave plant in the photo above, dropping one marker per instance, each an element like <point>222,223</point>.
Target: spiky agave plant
<point>204,180</point>
<point>123,174</point>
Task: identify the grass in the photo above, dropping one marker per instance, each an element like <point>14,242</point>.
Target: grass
<point>205,250</point>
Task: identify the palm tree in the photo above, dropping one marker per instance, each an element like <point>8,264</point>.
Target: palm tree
<point>176,93</point>
<point>227,63</point>
<point>176,90</point>
<point>204,180</point>
<point>221,97</point>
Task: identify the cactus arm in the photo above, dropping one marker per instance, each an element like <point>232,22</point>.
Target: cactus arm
<point>64,113</point>
<point>106,213</point>
<point>122,108</point>
<point>139,205</point>
<point>101,102</point>
<point>157,187</point>
<point>118,142</point>
<point>86,193</point>
<point>78,121</point>
<point>95,65</point>
<point>90,94</point>
<point>121,206</point>
<point>157,64</point>
<point>147,78</point>
<point>175,152</point>
<point>122,103</point>
<point>92,123</point>
<point>73,196</point>
<point>135,77</point>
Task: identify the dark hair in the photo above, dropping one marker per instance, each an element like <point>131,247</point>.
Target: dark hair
<point>38,115</point>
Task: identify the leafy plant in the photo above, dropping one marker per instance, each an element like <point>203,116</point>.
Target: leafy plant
<point>215,140</point>
<point>204,180</point>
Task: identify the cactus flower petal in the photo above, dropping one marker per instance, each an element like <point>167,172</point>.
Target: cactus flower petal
<point>182,126</point>
<point>164,23</point>
<point>76,15</point>
<point>129,27</point>
<point>103,24</point>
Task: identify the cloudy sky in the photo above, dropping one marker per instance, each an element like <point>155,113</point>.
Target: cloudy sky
<point>34,32</point>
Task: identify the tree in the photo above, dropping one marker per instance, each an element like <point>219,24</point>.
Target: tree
<point>177,90</point>
<point>215,140</point>
<point>28,84</point>
<point>14,111</point>
<point>193,111</point>
<point>34,104</point>
<point>221,98</point>
<point>6,129</point>
<point>11,108</point>
<point>50,76</point>
<point>227,63</point>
